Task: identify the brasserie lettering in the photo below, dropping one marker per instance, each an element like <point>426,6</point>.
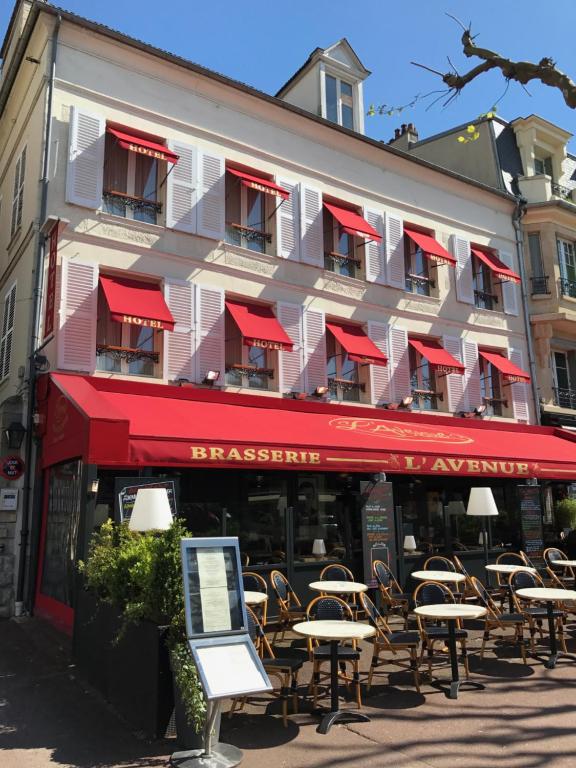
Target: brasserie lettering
<point>277,456</point>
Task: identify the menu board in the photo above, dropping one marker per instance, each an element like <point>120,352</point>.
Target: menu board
<point>531,522</point>
<point>229,666</point>
<point>126,488</point>
<point>378,530</point>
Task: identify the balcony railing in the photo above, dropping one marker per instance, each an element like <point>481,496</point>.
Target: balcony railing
<point>128,354</point>
<point>341,264</point>
<point>540,285</point>
<point>247,237</point>
<point>567,287</point>
<point>495,405</point>
<point>565,398</point>
<point>564,192</point>
<point>118,202</point>
<point>426,399</point>
<point>419,284</point>
<point>485,300</point>
<point>344,389</point>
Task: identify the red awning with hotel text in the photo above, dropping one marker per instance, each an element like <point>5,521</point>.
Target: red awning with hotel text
<point>442,362</point>
<point>498,267</point>
<point>430,247</point>
<point>352,223</point>
<point>259,326</point>
<point>359,347</point>
<point>260,183</point>
<point>136,303</point>
<point>143,146</point>
<point>120,423</point>
<point>509,371</point>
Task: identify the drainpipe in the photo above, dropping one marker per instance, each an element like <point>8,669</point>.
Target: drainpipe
<point>516,219</point>
<point>35,323</point>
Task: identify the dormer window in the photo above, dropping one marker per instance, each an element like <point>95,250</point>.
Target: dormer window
<point>543,166</point>
<point>339,102</point>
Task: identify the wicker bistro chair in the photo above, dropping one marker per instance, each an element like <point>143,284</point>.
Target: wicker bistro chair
<point>392,596</point>
<point>335,609</point>
<point>536,615</point>
<point>468,593</point>
<point>285,670</point>
<point>337,572</point>
<point>565,574</point>
<point>387,641</point>
<point>254,582</point>
<point>495,619</point>
<point>502,591</point>
<point>439,563</point>
<point>433,593</point>
<point>291,610</point>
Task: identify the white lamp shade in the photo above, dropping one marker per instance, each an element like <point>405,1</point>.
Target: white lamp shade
<point>481,538</point>
<point>409,543</point>
<point>481,503</point>
<point>151,510</point>
<point>318,547</point>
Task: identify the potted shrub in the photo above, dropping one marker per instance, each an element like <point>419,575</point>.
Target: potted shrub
<point>565,514</point>
<point>135,579</point>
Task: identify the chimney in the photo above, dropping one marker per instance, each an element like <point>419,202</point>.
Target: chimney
<point>404,137</point>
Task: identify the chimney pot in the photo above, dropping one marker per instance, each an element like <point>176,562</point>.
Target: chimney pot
<point>403,128</point>
<point>396,133</point>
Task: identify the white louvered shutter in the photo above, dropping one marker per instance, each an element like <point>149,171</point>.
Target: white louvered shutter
<point>519,392</point>
<point>85,172</point>
<point>211,196</point>
<point>375,256</point>
<point>399,362</point>
<point>455,383</point>
<point>288,222</point>
<point>312,245</point>
<point>291,364</point>
<point>179,344</point>
<point>78,314</point>
<point>464,283</point>
<point>395,269</point>
<point>509,289</point>
<point>182,188</point>
<point>209,331</point>
<point>314,350</point>
<point>7,332</point>
<point>473,392</point>
<point>380,374</point>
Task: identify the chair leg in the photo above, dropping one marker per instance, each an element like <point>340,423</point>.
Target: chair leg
<point>520,640</point>
<point>357,688</point>
<point>414,668</point>
<point>485,638</point>
<point>465,660</point>
<point>561,635</point>
<point>294,692</point>
<point>373,664</point>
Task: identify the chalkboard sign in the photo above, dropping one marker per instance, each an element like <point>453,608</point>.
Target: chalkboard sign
<point>126,488</point>
<point>378,531</point>
<point>531,522</point>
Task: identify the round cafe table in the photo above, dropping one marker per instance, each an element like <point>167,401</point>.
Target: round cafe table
<point>507,569</point>
<point>444,577</point>
<point>550,596</point>
<point>334,632</point>
<point>566,564</point>
<point>255,598</point>
<point>338,587</point>
<point>450,613</point>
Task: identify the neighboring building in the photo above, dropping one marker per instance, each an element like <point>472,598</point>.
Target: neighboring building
<point>247,297</point>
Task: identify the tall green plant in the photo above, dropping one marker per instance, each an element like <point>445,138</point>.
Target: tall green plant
<point>565,513</point>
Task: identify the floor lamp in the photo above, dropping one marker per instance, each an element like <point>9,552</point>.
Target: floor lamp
<point>481,504</point>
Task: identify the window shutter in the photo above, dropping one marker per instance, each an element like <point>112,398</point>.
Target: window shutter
<point>78,313</point>
<point>455,383</point>
<point>312,246</point>
<point>375,258</point>
<point>509,289</point>
<point>209,331</point>
<point>380,374</point>
<point>7,332</point>
<point>291,373</point>
<point>473,393</point>
<point>399,363</point>
<point>85,159</point>
<point>179,344</point>
<point>464,281</point>
<point>395,270</point>
<point>211,196</point>
<point>287,223</point>
<point>182,189</point>
<point>315,350</point>
<point>519,391</point>
<point>18,192</point>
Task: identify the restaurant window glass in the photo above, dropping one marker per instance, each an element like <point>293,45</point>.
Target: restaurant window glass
<point>417,269</point>
<point>423,383</point>
<point>249,216</point>
<point>130,183</point>
<point>341,249</point>
<point>343,373</point>
<point>485,291</point>
<point>250,367</point>
<point>491,388</point>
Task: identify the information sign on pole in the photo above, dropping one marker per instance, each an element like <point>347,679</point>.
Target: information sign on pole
<point>378,529</point>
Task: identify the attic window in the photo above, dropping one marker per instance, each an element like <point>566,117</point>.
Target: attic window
<point>339,102</point>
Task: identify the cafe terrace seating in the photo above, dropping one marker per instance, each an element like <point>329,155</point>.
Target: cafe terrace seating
<point>395,600</point>
<point>254,582</point>
<point>290,607</point>
<point>495,619</point>
<point>536,615</point>
<point>564,573</point>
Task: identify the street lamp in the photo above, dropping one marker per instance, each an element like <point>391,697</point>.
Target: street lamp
<point>481,504</point>
<point>15,434</point>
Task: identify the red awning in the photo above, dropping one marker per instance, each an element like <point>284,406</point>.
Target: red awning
<point>259,183</point>
<point>352,223</point>
<point>498,267</point>
<point>439,359</point>
<point>259,326</point>
<point>509,371</point>
<point>143,146</point>
<point>431,248</point>
<point>360,348</point>
<point>119,423</point>
<point>136,303</point>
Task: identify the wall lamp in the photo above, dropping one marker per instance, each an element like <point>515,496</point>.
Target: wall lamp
<point>320,391</point>
<point>405,403</point>
<point>211,377</point>
<point>299,395</point>
<point>15,434</point>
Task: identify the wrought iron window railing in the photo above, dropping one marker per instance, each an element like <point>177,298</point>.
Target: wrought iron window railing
<point>345,389</point>
<point>540,285</point>
<point>419,284</point>
<point>568,287</point>
<point>561,191</point>
<point>495,404</point>
<point>426,399</point>
<point>485,300</point>
<point>121,200</point>
<point>128,354</point>
<point>237,234</point>
<point>340,262</point>
<point>565,398</point>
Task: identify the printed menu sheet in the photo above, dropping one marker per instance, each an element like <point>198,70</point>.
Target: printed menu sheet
<point>214,590</point>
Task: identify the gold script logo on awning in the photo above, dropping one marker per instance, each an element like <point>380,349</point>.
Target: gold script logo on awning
<point>400,431</point>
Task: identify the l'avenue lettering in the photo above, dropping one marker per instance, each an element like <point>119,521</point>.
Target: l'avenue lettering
<point>257,455</point>
<point>131,320</point>
<point>478,466</point>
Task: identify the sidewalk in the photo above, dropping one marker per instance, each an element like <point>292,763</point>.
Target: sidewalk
<point>524,718</point>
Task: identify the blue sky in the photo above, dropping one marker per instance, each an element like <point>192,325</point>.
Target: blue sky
<point>262,43</point>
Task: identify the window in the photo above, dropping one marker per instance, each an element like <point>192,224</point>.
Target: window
<point>417,266</point>
<point>543,166</point>
<point>339,256</point>
<point>485,296</point>
<point>563,395</point>
<point>18,196</point>
<point>567,261</point>
<point>343,373</point>
<point>491,388</point>
<point>539,279</point>
<point>339,102</point>
<point>249,216</point>
<point>125,348</point>
<point>130,183</point>
<point>7,332</point>
<point>423,383</point>
<point>251,367</point>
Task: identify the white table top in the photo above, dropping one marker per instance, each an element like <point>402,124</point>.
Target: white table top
<point>254,598</point>
<point>564,563</point>
<point>509,568</point>
<point>338,587</point>
<point>547,593</point>
<point>334,630</point>
<point>451,611</point>
<point>442,576</point>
